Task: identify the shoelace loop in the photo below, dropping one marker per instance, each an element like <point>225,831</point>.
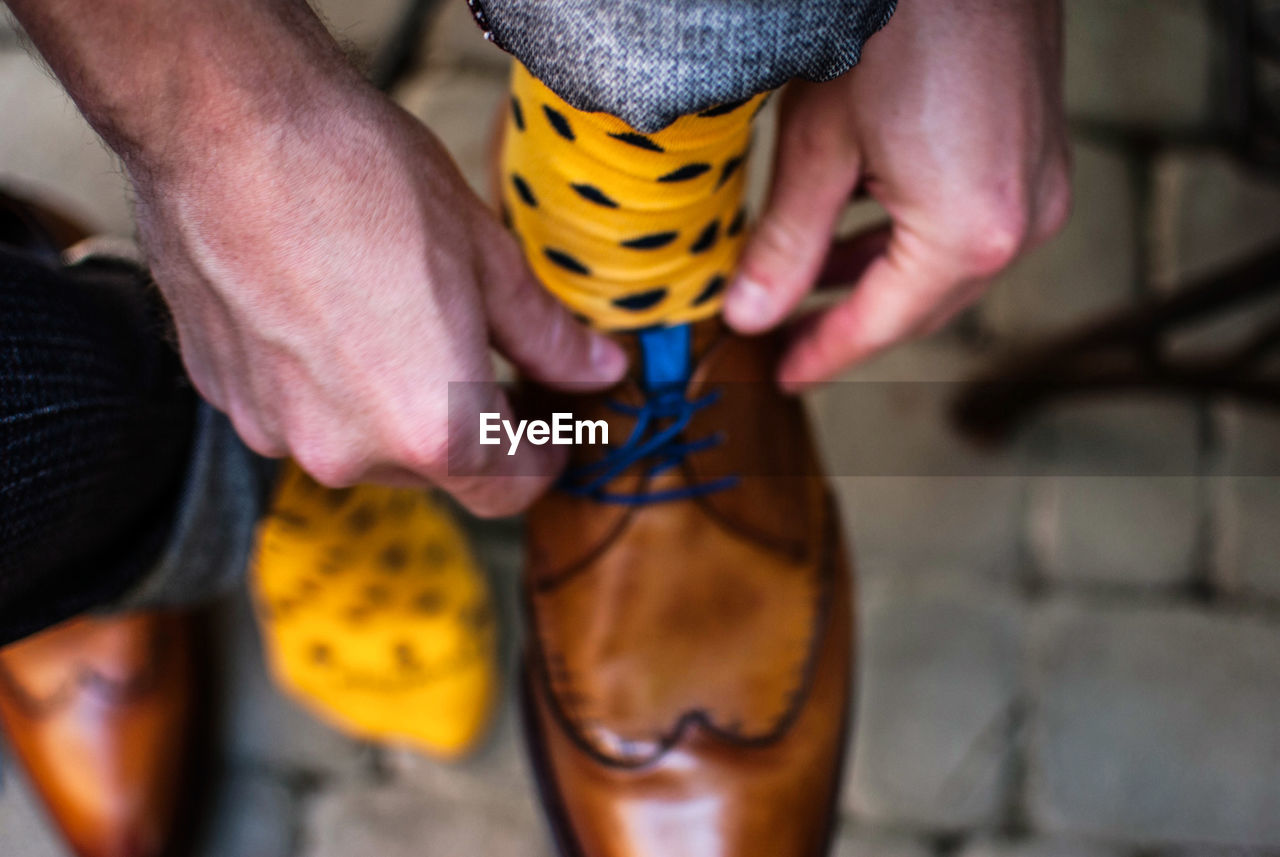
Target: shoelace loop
<point>656,438</point>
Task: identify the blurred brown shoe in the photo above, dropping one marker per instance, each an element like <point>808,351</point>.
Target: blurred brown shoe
<point>97,711</point>
<point>687,678</point>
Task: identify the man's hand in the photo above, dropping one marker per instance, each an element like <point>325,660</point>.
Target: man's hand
<point>953,122</point>
<point>328,284</point>
<point>329,271</point>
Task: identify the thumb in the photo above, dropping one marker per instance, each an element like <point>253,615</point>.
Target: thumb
<point>538,334</point>
<point>815,168</point>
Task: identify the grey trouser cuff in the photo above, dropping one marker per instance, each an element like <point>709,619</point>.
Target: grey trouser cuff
<point>225,493</point>
<point>649,62</point>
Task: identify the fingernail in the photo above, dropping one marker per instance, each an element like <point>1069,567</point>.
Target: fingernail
<point>607,357</point>
<point>748,306</point>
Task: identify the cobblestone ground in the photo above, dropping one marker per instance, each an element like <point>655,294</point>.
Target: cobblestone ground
<point>1051,665</point>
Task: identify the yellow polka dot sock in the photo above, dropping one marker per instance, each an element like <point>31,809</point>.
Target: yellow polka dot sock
<point>375,615</point>
<point>629,230</point>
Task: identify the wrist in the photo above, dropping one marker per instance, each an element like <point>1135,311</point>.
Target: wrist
<point>167,83</point>
<point>223,122</point>
<point>242,92</point>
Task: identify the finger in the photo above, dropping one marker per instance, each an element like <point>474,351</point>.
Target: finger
<point>815,167</point>
<point>898,296</point>
<point>538,334</point>
<point>848,258</point>
<point>497,479</point>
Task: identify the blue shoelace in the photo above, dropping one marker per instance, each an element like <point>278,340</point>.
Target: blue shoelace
<point>660,423</point>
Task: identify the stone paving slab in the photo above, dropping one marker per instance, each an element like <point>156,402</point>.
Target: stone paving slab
<point>1208,212</point>
<point>364,26</point>
<point>1105,435</point>
<point>48,149</point>
<point>460,108</point>
<point>497,775</point>
<point>455,42</point>
<point>1140,63</point>
<point>923,525</point>
<point>11,34</point>
<point>259,725</point>
<point>1247,556</point>
<point>855,841</point>
<point>1154,724</point>
<point>1202,850</point>
<point>1121,502</point>
<point>891,416</point>
<point>24,828</point>
<point>918,520</point>
<point>392,821</point>
<point>1035,847</point>
<point>1246,560</point>
<point>1249,438</point>
<point>939,686</point>
<point>1126,531</point>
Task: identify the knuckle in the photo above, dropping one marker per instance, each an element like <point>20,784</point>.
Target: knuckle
<point>487,499</point>
<point>502,507</point>
<point>424,451</point>
<point>467,457</point>
<point>209,389</point>
<point>995,236</point>
<point>254,436</point>
<point>434,435</point>
<point>261,445</point>
<point>490,506</point>
<point>326,467</point>
<point>330,474</point>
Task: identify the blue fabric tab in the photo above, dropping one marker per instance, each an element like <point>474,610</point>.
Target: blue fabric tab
<point>665,355</point>
<point>657,439</point>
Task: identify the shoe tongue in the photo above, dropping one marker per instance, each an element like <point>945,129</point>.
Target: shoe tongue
<point>666,358</point>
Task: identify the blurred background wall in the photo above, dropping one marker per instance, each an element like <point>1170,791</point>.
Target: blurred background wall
<point>1051,663</point>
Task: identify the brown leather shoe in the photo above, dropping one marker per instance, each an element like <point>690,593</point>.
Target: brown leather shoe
<point>96,710</point>
<point>687,677</point>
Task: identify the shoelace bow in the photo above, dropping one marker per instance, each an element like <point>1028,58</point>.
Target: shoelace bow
<point>656,438</point>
